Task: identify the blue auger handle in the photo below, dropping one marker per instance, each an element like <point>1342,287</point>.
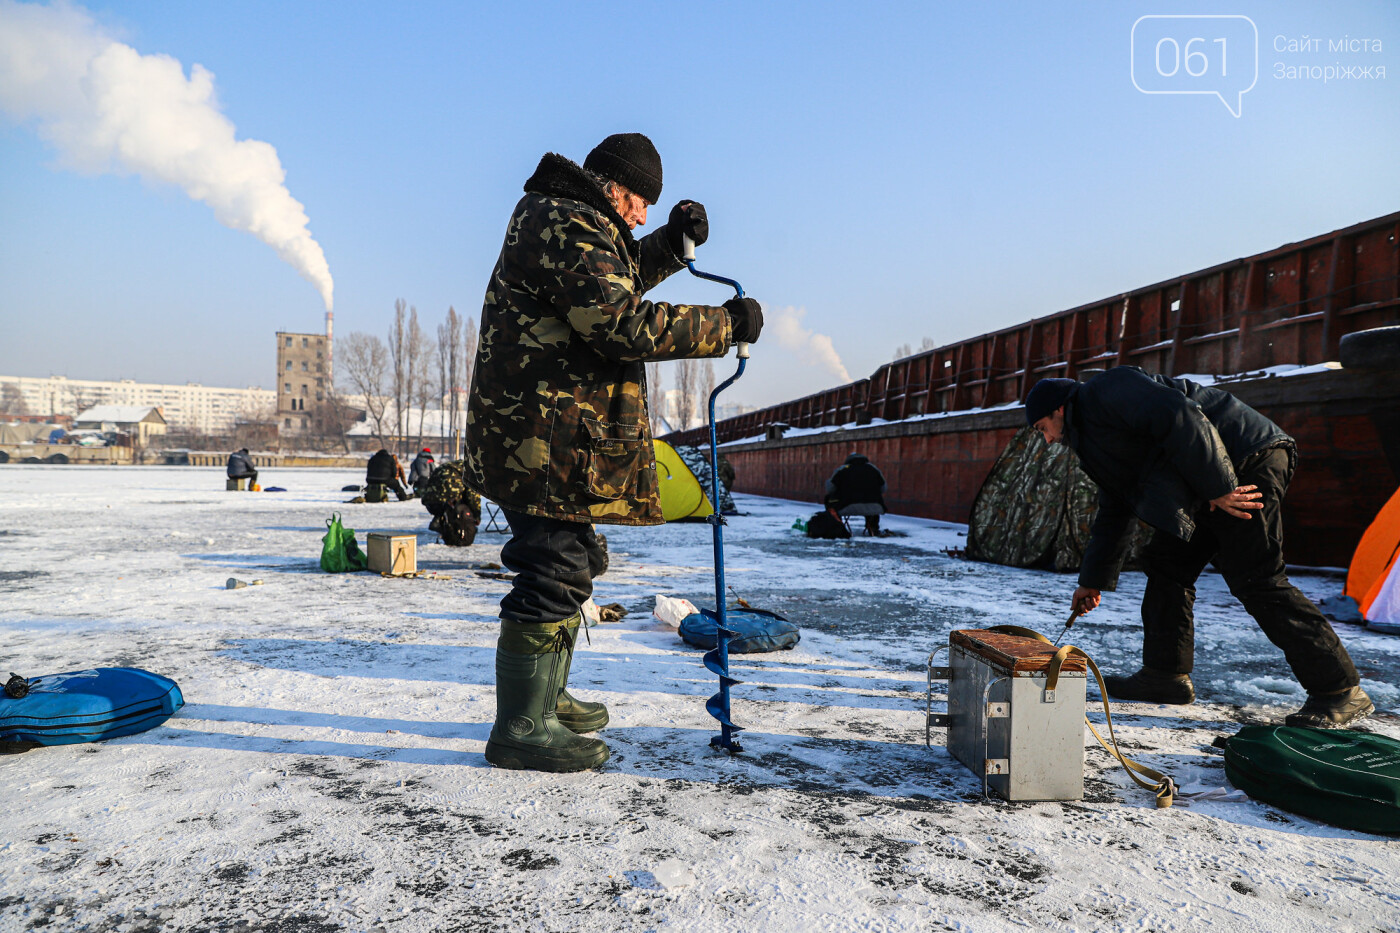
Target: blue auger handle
<point>718,659</point>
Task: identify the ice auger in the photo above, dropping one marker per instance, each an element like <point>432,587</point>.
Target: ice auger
<point>717,660</point>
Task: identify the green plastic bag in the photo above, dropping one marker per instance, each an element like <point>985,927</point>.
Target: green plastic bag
<point>1338,776</point>
<point>339,552</point>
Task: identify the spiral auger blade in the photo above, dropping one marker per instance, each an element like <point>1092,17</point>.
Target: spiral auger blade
<point>718,705</point>
<point>717,660</point>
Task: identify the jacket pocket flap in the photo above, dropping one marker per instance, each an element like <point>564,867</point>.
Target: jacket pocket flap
<point>607,436</point>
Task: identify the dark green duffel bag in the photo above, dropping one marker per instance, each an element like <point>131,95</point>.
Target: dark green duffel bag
<point>1345,778</point>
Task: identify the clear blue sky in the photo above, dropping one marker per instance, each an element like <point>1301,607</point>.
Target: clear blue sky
<point>897,170</point>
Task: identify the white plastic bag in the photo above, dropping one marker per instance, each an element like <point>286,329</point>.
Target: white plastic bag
<point>590,611</point>
<point>671,611</point>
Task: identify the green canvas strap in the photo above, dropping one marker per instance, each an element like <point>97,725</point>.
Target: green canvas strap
<point>1161,785</point>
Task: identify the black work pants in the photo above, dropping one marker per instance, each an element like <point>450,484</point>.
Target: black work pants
<point>554,563</point>
<point>1249,555</point>
<point>393,484</point>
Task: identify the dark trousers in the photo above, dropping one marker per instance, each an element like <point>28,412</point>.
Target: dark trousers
<point>1249,555</point>
<point>392,483</point>
<point>554,563</point>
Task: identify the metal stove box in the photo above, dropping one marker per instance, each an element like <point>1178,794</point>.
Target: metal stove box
<point>1025,741</point>
<point>391,553</point>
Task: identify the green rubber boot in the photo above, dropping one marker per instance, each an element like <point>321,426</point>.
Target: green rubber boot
<point>531,662</point>
<point>574,714</point>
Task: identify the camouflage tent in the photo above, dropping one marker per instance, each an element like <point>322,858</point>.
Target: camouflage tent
<point>698,459</point>
<point>1036,507</point>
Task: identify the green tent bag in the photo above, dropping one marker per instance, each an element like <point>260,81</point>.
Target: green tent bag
<point>339,552</point>
<point>1338,776</point>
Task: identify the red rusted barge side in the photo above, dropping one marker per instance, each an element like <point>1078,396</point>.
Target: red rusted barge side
<point>1290,305</point>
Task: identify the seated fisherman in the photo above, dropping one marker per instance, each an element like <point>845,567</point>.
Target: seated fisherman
<point>857,488</point>
<point>384,470</point>
<point>420,469</point>
<point>240,466</point>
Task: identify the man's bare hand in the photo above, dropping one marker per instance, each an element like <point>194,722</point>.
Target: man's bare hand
<point>1235,503</point>
<point>1085,599</point>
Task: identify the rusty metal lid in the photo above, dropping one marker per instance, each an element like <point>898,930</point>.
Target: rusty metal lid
<point>1012,653</point>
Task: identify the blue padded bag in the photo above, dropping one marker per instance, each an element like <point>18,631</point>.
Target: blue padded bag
<point>84,706</point>
<point>755,630</point>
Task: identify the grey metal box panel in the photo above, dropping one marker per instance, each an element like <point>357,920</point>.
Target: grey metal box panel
<point>1038,744</point>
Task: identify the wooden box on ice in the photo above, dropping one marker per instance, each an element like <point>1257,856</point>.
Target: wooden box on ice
<point>395,554</point>
<point>1003,724</point>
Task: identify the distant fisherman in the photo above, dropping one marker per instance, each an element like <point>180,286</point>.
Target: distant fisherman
<point>557,429</point>
<point>240,466</point>
<point>421,469</point>
<point>1209,473</point>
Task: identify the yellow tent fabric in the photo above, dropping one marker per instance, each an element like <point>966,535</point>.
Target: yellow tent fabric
<point>681,495</point>
<point>1375,554</point>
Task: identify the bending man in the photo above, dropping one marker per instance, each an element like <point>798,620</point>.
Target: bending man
<point>557,423</point>
<point>1209,474</point>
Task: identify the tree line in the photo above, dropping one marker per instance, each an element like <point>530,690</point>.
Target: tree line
<point>400,379</point>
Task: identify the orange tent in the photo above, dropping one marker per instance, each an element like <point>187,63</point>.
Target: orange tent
<point>1375,555</point>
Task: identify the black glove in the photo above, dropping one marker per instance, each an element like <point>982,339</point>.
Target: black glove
<point>687,219</point>
<point>745,318</point>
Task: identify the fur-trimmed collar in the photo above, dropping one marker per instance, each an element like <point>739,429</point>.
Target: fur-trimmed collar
<point>558,177</point>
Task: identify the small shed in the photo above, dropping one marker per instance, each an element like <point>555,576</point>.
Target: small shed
<point>141,422</point>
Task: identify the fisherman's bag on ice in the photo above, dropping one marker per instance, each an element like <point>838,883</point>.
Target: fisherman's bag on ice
<point>754,630</point>
<point>1346,778</point>
<point>84,706</point>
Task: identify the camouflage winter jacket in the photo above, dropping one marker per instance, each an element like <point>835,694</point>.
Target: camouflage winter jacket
<point>557,422</point>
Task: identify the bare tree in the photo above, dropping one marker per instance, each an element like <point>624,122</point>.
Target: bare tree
<point>463,390</point>
<point>364,366</point>
<point>398,361</point>
<point>656,398</point>
<point>420,386</point>
<point>906,350</point>
<point>707,386</point>
<point>12,400</point>
<point>449,345</point>
<point>331,418</point>
<point>688,385</point>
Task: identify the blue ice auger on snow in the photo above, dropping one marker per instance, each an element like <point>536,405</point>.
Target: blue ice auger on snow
<point>718,659</point>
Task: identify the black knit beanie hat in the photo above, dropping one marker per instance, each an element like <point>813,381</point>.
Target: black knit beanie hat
<point>630,160</point>
<point>1048,395</point>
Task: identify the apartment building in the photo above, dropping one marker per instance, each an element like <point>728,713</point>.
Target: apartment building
<point>188,407</point>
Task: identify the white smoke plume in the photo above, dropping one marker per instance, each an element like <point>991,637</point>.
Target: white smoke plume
<point>107,108</point>
<point>811,348</point>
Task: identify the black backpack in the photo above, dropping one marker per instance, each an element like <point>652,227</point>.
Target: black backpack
<point>825,525</point>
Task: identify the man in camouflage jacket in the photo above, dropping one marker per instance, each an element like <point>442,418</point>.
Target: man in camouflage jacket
<point>557,424</point>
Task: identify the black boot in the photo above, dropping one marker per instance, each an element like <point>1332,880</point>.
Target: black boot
<point>1151,686</point>
<point>574,714</point>
<point>530,668</point>
<point>1333,710</point>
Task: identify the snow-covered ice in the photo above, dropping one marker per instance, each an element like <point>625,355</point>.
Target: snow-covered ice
<point>327,770</point>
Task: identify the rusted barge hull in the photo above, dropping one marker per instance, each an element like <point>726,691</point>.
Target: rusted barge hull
<point>1347,426</point>
<point>1286,306</point>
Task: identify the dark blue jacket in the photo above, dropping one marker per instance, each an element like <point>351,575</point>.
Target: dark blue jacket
<point>1157,448</point>
<point>240,465</point>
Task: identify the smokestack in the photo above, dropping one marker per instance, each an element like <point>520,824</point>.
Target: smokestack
<point>330,346</point>
<point>105,107</point>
